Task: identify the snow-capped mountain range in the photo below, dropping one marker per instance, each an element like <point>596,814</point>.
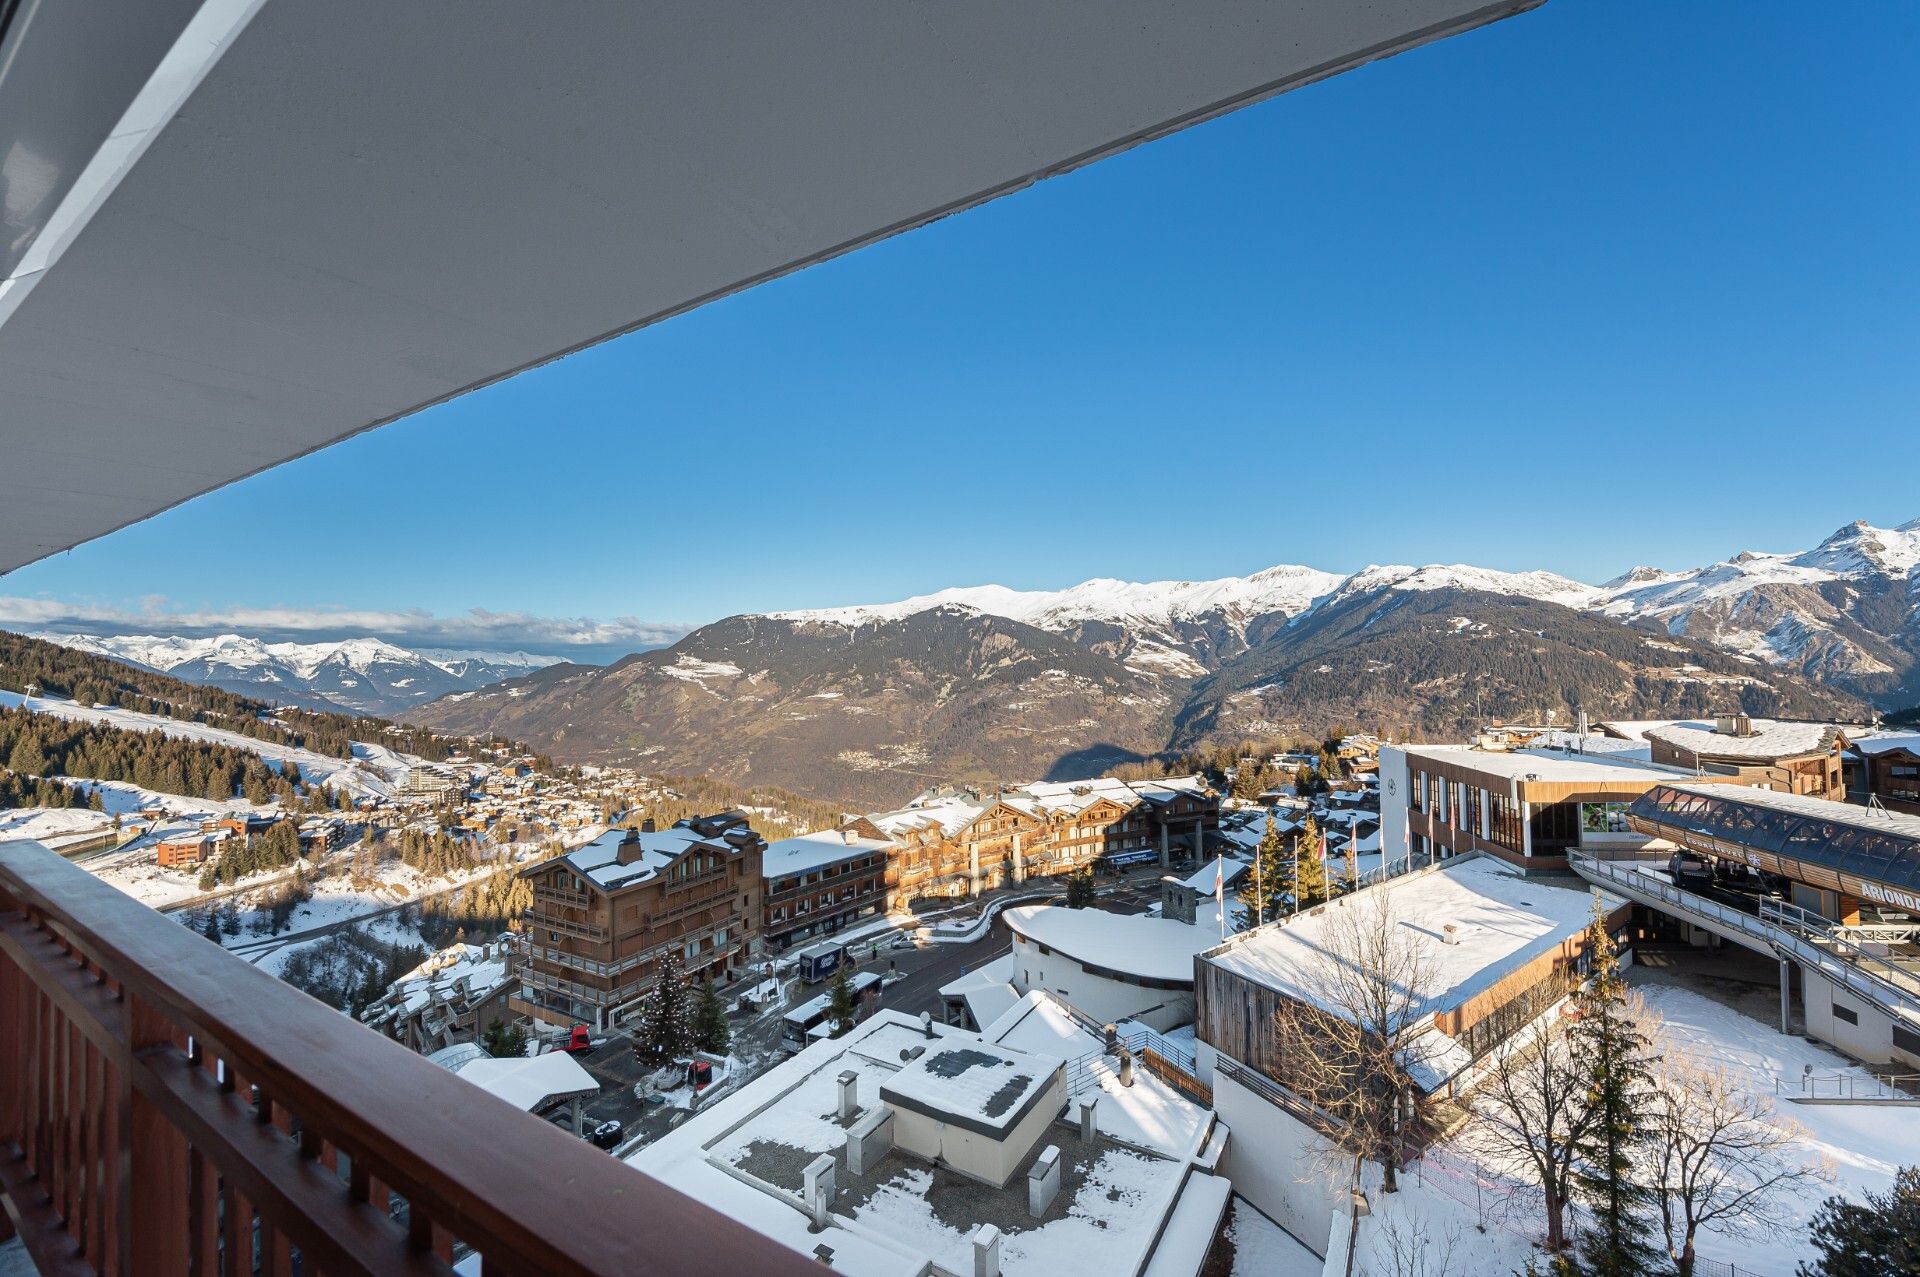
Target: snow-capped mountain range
<point>1846,612</point>
<point>357,675</point>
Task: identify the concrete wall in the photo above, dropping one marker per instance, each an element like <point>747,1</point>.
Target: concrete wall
<point>1869,1037</point>
<point>1106,1000</point>
<point>982,1157</point>
<point>1270,1161</point>
<point>1395,790</point>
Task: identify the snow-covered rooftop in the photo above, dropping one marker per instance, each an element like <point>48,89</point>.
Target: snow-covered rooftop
<point>1880,742</point>
<point>813,851</point>
<point>1228,873</point>
<point>1771,738</point>
<point>1544,764</point>
<point>1501,921</point>
<point>529,1081</point>
<point>1128,943</point>
<point>600,859</point>
<point>1877,819</point>
<point>985,990</point>
<point>981,1085</point>
<point>743,1155</point>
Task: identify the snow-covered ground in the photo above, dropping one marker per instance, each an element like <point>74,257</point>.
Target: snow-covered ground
<point>1865,1143</point>
<point>373,772</point>
<point>54,826</point>
<point>1261,1248</point>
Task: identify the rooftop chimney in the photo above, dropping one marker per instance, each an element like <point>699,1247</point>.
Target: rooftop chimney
<point>629,849</point>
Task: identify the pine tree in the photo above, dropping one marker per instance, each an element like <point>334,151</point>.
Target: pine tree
<point>211,927</point>
<point>1613,1051</point>
<point>504,1041</point>
<point>1309,870</point>
<point>666,1027</point>
<point>1880,1238</point>
<point>710,1031</point>
<point>1080,889</point>
<point>840,1006</point>
<point>1263,890</point>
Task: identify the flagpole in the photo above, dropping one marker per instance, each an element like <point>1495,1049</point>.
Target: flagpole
<point>1220,892</point>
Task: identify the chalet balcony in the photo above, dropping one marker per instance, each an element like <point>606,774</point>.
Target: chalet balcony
<point>168,1109</point>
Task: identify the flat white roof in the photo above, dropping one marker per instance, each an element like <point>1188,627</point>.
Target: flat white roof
<point>1110,1222</point>
<point>1502,920</point>
<point>982,1085</point>
<point>1545,764</point>
<point>812,851</point>
<point>1133,944</point>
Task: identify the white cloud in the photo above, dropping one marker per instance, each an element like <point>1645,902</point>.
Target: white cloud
<point>576,638</point>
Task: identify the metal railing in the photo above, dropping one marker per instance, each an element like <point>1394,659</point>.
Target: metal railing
<point>1866,1088</point>
<point>1840,962</point>
<point>168,1109</point>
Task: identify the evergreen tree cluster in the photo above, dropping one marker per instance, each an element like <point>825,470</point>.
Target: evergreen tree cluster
<point>1876,1238</point>
<point>504,1041</point>
<point>98,680</point>
<point>41,745</point>
<point>350,969</point>
<point>485,908</point>
<point>276,848</point>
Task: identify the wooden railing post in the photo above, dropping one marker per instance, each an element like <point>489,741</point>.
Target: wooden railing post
<point>152,1161</point>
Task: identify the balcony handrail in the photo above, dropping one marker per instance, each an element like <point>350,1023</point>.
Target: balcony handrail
<point>238,1096</point>
<point>1854,969</point>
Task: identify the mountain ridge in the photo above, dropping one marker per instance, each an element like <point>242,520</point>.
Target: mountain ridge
<point>872,702</point>
<point>361,675</point>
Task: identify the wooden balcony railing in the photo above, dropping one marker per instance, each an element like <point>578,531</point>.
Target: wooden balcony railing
<point>168,1109</point>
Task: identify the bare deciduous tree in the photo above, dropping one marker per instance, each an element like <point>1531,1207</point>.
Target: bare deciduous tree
<point>1362,1020</point>
<point>1413,1248</point>
<point>1721,1155</point>
<point>1532,1109</point>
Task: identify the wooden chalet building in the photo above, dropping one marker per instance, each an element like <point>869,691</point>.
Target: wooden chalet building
<point>603,916</point>
<point>1884,767</point>
<point>961,844</point>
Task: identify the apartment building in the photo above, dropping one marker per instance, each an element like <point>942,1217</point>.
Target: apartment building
<point>1526,806</point>
<point>820,882</point>
<point>961,843</point>
<point>1789,757</point>
<point>604,915</point>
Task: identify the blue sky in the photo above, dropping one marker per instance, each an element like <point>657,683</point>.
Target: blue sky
<point>1613,282</point>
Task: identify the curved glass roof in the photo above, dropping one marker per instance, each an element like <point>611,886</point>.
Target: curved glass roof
<point>1863,841</point>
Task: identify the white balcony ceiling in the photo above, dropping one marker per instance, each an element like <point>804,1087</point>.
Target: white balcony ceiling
<point>236,231</point>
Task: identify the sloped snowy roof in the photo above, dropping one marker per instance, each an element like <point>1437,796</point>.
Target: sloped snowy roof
<point>530,1081</point>
<point>1202,879</point>
<point>1881,742</point>
<point>600,859</point>
<point>1771,738</point>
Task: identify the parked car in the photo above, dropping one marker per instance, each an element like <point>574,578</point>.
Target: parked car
<point>607,1134</point>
